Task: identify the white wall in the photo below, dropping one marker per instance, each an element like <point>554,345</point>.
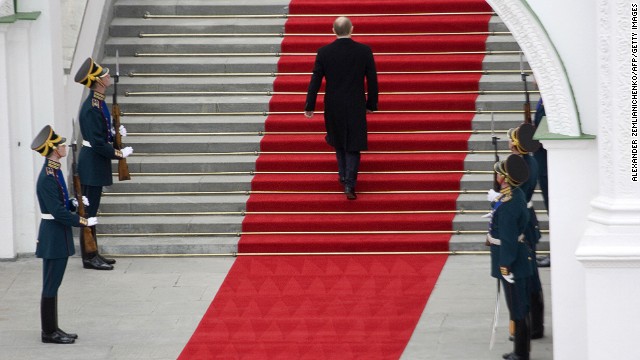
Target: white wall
<point>571,26</point>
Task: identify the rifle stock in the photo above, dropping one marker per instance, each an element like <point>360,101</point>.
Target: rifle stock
<point>123,168</point>
<point>86,235</point>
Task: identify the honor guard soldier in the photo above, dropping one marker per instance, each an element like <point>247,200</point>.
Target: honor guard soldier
<point>511,260</point>
<point>521,142</point>
<point>55,239</point>
<point>94,162</point>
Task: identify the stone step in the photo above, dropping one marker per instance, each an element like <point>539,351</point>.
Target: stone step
<point>180,183</point>
<point>473,222</point>
<point>133,27</point>
<point>476,242</point>
<point>172,204</point>
<point>214,225</point>
<point>138,8</point>
<point>189,164</point>
<point>167,245</point>
<point>252,103</point>
<point>128,84</point>
<point>129,46</point>
<point>174,124</point>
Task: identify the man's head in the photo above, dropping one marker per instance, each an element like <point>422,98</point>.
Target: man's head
<point>342,26</point>
<point>91,74</point>
<point>521,139</point>
<point>513,170</point>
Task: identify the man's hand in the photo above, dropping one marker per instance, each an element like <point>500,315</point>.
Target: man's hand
<point>85,200</point>
<point>308,114</point>
<point>92,221</point>
<point>123,131</point>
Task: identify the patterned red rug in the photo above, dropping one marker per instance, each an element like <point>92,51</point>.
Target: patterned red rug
<point>350,306</point>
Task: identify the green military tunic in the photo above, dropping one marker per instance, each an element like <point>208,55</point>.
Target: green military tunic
<point>509,220</point>
<point>94,161</point>
<point>55,239</point>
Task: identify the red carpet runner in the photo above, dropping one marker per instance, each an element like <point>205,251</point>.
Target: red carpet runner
<point>340,306</point>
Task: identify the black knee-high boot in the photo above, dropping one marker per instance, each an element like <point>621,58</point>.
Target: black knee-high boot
<point>48,318</point>
<point>107,260</point>
<point>70,335</point>
<point>522,340</point>
<point>537,315</point>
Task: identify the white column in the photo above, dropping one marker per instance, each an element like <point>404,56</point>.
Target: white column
<point>7,246</point>
<point>21,132</point>
<point>571,165</point>
<point>610,247</point>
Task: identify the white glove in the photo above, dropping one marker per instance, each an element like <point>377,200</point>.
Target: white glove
<point>492,195</point>
<point>122,130</point>
<point>509,278</point>
<point>85,201</point>
<point>74,202</point>
<point>92,221</point>
<point>127,151</point>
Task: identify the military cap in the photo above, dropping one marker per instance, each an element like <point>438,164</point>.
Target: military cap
<point>522,138</point>
<point>46,140</point>
<point>514,169</point>
<point>89,72</point>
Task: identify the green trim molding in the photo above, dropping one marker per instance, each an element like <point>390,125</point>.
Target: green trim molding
<point>20,16</point>
<point>542,133</point>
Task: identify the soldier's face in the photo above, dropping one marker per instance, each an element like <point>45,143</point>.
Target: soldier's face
<point>62,150</point>
<point>106,80</point>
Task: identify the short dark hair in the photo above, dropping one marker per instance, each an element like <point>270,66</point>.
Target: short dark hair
<point>342,26</point>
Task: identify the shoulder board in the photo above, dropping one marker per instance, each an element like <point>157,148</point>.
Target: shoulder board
<point>505,195</point>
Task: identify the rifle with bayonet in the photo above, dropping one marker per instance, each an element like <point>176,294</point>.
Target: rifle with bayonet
<point>86,235</point>
<point>123,168</point>
<point>494,141</point>
<point>527,103</point>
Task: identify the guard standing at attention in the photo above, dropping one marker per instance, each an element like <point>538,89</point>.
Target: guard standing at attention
<point>94,162</point>
<point>55,239</point>
<point>511,261</point>
<point>521,142</point>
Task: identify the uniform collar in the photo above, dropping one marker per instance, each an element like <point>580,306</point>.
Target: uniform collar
<point>53,164</point>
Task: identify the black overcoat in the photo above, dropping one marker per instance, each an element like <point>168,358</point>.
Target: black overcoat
<point>345,64</point>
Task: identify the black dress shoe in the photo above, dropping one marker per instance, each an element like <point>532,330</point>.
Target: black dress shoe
<point>96,263</point>
<point>73,336</point>
<point>107,260</point>
<point>57,338</point>
<point>350,192</point>
<point>513,356</point>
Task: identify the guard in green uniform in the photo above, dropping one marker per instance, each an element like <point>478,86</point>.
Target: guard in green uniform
<point>511,261</point>
<point>94,161</point>
<point>55,239</point>
<point>521,142</point>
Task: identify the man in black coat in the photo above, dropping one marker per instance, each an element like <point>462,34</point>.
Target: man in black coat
<point>55,239</point>
<point>345,64</point>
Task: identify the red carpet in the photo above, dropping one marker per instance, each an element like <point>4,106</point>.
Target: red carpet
<point>346,306</point>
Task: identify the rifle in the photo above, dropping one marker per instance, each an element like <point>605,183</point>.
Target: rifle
<point>494,141</point>
<point>86,235</point>
<point>527,103</point>
<point>123,168</point>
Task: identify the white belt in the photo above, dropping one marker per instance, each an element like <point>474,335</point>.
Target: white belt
<point>86,143</point>
<point>47,217</point>
<point>495,241</point>
<point>530,204</point>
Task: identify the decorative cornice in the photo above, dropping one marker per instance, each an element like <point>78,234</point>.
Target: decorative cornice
<point>545,62</point>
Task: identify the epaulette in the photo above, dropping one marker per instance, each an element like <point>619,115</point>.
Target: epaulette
<point>505,195</point>
<point>52,167</point>
<point>97,99</point>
